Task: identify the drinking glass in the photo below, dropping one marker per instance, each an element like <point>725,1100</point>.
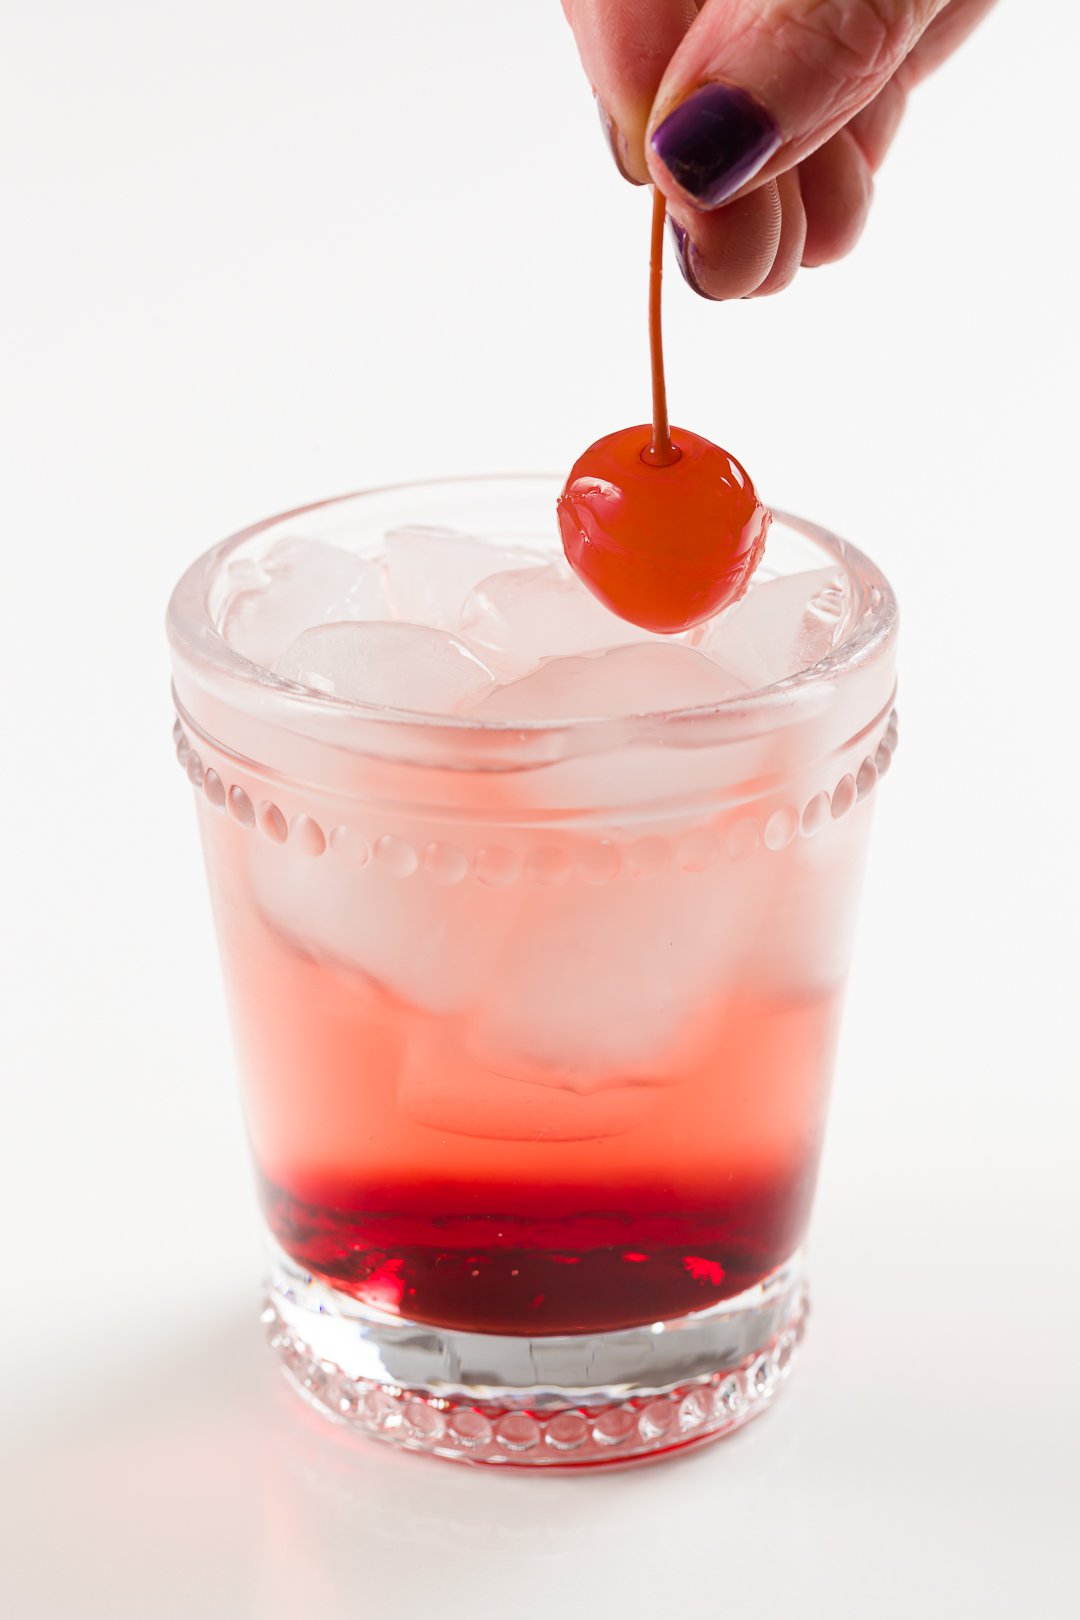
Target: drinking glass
<point>535,1021</point>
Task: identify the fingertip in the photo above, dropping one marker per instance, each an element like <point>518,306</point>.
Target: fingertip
<point>625,48</point>
<point>710,144</point>
<point>685,253</point>
<point>618,145</point>
<point>789,249</point>
<point>729,252</point>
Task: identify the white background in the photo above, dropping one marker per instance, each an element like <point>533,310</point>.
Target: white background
<point>261,253</point>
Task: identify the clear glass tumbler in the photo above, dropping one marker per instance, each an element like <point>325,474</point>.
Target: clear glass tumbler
<point>535,1022</point>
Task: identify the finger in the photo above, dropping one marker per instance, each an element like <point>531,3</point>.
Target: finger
<point>729,253</point>
<point>837,187</point>
<point>757,85</point>
<point>625,46</point>
<point>945,34</point>
<point>879,121</point>
<point>875,127</point>
<point>789,251</point>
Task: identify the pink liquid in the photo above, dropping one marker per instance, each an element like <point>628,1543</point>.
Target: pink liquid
<point>677,1194</point>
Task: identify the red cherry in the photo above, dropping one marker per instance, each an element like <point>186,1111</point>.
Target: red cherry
<point>664,546</point>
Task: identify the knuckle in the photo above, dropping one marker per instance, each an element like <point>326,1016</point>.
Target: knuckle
<point>855,45</point>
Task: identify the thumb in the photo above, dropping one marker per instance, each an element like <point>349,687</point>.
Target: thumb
<point>756,85</point>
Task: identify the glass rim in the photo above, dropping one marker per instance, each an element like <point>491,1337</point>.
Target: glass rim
<point>193,634</point>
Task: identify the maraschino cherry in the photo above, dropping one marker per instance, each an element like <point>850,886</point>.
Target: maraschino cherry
<point>664,527</point>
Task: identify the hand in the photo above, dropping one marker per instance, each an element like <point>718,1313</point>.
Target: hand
<point>762,121</point>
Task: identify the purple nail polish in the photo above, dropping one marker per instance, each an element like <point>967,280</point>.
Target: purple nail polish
<point>684,254</point>
<point>714,141</point>
<point>615,140</point>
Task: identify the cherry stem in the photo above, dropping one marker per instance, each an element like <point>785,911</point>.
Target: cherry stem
<point>660,452</point>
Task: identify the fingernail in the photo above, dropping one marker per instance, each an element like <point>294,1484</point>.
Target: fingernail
<point>684,254</point>
<point>616,140</point>
<point>715,141</point>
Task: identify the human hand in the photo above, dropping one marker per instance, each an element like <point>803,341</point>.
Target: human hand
<point>761,121</point>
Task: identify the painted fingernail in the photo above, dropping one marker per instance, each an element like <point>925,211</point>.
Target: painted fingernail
<point>715,141</point>
<point>684,254</point>
<point>616,140</point>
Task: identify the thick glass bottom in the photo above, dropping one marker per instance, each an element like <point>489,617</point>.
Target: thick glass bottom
<point>559,1400</point>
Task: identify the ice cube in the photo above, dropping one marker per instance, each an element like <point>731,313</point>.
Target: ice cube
<point>804,929</point>
<point>781,626</point>
<point>442,1086</point>
<point>299,583</point>
<point>430,572</point>
<point>522,615</point>
<point>433,945</point>
<point>397,666</point>
<point>641,679</point>
<point>623,987</point>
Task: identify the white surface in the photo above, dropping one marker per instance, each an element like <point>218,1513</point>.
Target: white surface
<point>257,254</point>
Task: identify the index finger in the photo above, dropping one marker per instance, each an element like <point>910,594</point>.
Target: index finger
<point>625,47</point>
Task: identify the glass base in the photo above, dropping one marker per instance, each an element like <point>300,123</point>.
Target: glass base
<point>568,1400</point>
